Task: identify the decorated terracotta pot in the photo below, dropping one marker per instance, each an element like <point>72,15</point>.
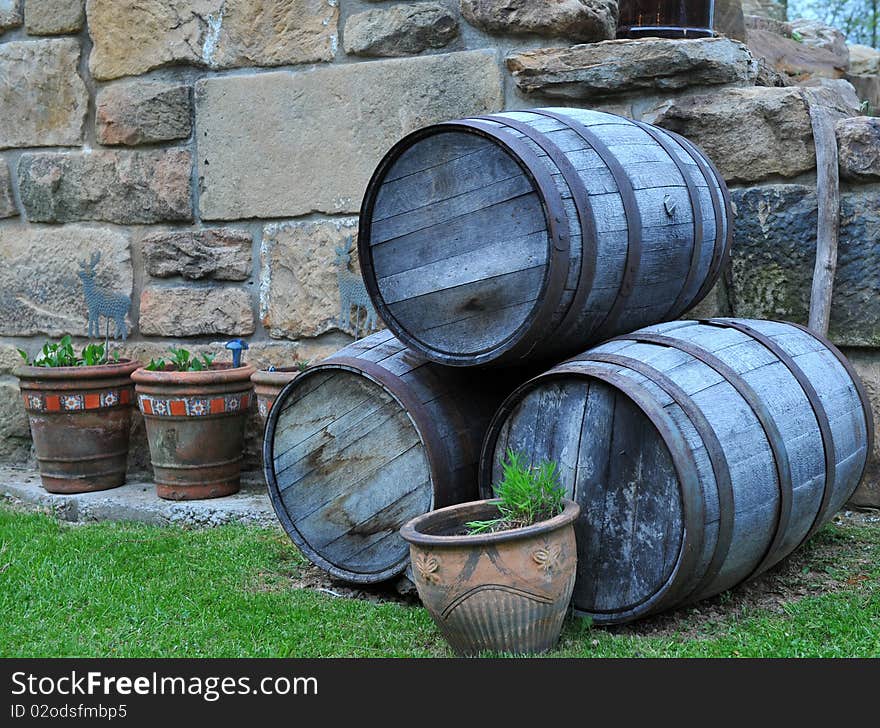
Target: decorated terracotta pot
<point>80,420</point>
<point>506,591</point>
<point>195,426</point>
<point>267,385</point>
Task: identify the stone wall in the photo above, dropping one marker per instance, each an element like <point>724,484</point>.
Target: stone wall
<point>215,153</point>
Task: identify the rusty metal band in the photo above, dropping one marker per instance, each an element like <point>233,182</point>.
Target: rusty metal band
<point>517,344</point>
<point>682,459</point>
<point>631,212</point>
<point>815,405</point>
<point>585,213</point>
<point>717,457</point>
<point>771,432</point>
<point>678,306</point>
<point>521,345</point>
<point>434,451</point>
<point>723,216</point>
<point>722,257</point>
<point>857,383</point>
<point>685,465</point>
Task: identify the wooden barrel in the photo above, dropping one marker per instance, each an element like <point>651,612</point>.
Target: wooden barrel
<point>701,454</point>
<point>370,438</point>
<point>533,234</point>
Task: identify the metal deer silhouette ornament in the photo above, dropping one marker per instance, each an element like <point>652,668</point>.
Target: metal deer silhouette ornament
<point>353,294</point>
<point>102,302</point>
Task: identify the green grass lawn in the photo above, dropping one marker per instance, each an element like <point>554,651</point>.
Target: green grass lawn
<point>131,590</point>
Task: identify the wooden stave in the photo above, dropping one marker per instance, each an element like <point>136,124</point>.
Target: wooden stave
<point>543,334</point>
<point>701,585</point>
<point>453,481</point>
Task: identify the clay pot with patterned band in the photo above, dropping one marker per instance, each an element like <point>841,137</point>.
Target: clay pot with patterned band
<point>80,421</point>
<point>267,385</point>
<point>506,591</point>
<point>195,427</point>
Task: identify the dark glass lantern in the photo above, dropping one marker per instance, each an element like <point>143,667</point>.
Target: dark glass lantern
<point>666,18</point>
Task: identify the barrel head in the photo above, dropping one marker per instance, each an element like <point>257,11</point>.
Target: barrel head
<point>614,463</point>
<point>348,468</point>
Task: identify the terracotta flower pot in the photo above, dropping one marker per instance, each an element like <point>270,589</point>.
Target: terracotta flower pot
<point>195,427</point>
<point>267,385</point>
<point>80,420</point>
<point>502,592</point>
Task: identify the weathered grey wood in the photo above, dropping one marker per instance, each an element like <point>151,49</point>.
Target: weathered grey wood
<point>368,439</point>
<point>828,227</point>
<point>738,393</point>
<point>616,228</point>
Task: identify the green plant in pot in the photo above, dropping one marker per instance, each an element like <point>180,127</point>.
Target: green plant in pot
<point>497,575</point>
<point>195,411</point>
<point>79,409</point>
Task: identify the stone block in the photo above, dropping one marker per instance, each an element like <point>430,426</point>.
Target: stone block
<point>774,252</point>
<point>7,201</point>
<point>15,432</point>
<point>864,60</point>
<point>300,287</point>
<point>577,20</point>
<point>319,135</point>
<point>188,311</point>
<point>115,186</point>
<point>132,38</point>
<point>10,14</point>
<point>866,362</point>
<point>222,254</point>
<point>400,30</point>
<point>858,144</point>
<point>43,100</point>
<point>53,17</point>
<point>143,113</point>
<point>749,133</point>
<point>627,66</point>
<point>40,290</point>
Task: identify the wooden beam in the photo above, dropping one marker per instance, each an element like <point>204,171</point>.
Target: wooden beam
<point>823,122</point>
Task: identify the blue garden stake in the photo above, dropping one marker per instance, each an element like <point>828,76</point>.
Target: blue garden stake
<point>236,346</point>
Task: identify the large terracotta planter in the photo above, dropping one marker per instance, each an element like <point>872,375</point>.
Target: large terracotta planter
<point>268,384</point>
<point>80,421</point>
<point>501,592</point>
<point>195,427</point>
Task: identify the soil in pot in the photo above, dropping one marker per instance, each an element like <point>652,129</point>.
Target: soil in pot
<point>195,426</point>
<point>80,419</point>
<point>503,591</point>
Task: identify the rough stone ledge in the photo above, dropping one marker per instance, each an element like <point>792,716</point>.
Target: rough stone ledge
<point>137,501</point>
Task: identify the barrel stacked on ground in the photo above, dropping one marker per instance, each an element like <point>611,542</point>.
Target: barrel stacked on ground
<point>701,453</point>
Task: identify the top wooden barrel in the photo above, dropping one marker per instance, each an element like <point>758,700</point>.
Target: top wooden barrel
<point>533,234</point>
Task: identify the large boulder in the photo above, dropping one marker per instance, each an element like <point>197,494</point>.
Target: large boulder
<point>577,20</point>
<point>750,133</point>
<point>626,66</point>
<point>864,60</point>
<point>801,50</point>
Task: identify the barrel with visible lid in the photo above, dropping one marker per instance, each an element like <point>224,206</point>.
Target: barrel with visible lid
<point>701,454</point>
<point>531,234</point>
<point>368,439</point>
